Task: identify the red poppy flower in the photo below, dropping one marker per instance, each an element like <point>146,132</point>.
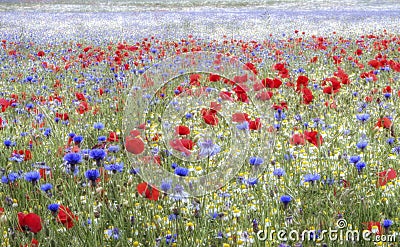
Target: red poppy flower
<point>337,59</point>
<point>241,93</point>
<point>255,125</point>
<point>226,96</point>
<point>297,139</point>
<point>264,96</point>
<point>240,117</point>
<point>188,144</point>
<point>258,86</point>
<point>215,107</point>
<point>182,130</point>
<point>384,122</point>
<point>374,224</point>
<point>62,116</point>
<point>4,105</point>
<point>148,191</point>
<point>178,146</point>
<point>80,96</point>
<point>333,87</point>
<point>271,83</point>
<point>282,105</point>
<point>44,173</point>
<point>29,222</point>
<point>66,217</point>
<point>279,66</point>
<point>83,107</point>
<point>194,79</point>
<point>307,95</point>
<point>385,176</point>
<point>374,63</point>
<point>387,89</point>
<point>134,145</point>
<point>27,154</point>
<point>210,119</point>
<point>311,136</point>
<point>214,78</point>
<point>41,54</point>
<point>112,137</point>
<point>251,67</point>
<point>302,82</point>
<point>34,243</point>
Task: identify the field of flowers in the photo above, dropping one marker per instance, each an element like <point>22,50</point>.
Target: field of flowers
<point>301,129</point>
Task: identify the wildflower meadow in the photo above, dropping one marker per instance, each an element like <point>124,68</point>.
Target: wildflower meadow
<point>200,138</point>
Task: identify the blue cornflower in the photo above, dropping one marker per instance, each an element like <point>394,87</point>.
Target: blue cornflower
<point>298,117</point>
<point>312,177</point>
<point>208,148</point>
<point>363,117</point>
<point>172,217</point>
<point>280,115</point>
<point>174,165</point>
<point>101,138</point>
<point>13,176</point>
<point>92,174</point>
<point>243,126</point>
<point>73,158</point>
<point>7,143</point>
<point>47,132</point>
<point>396,150</point>
<point>46,187</point>
<point>114,232</point>
<point>181,171</point>
<point>113,149</point>
<point>165,186</point>
<point>360,166</point>
<point>134,171</point>
<point>29,105</point>
<point>97,154</point>
<point>256,161</point>
<point>329,181</point>
<point>387,95</point>
<point>188,115</point>
<point>98,126</point>
<point>390,141</point>
<point>288,156</point>
<point>286,199</point>
<point>53,207</point>
<point>387,223</point>
<point>117,167</point>
<point>252,181</point>
<point>362,144</point>
<point>78,139</point>
<point>32,176</point>
<point>279,172</point>
<point>214,215</point>
<point>354,159</point>
<point>4,179</point>
<point>71,135</point>
<point>16,157</point>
